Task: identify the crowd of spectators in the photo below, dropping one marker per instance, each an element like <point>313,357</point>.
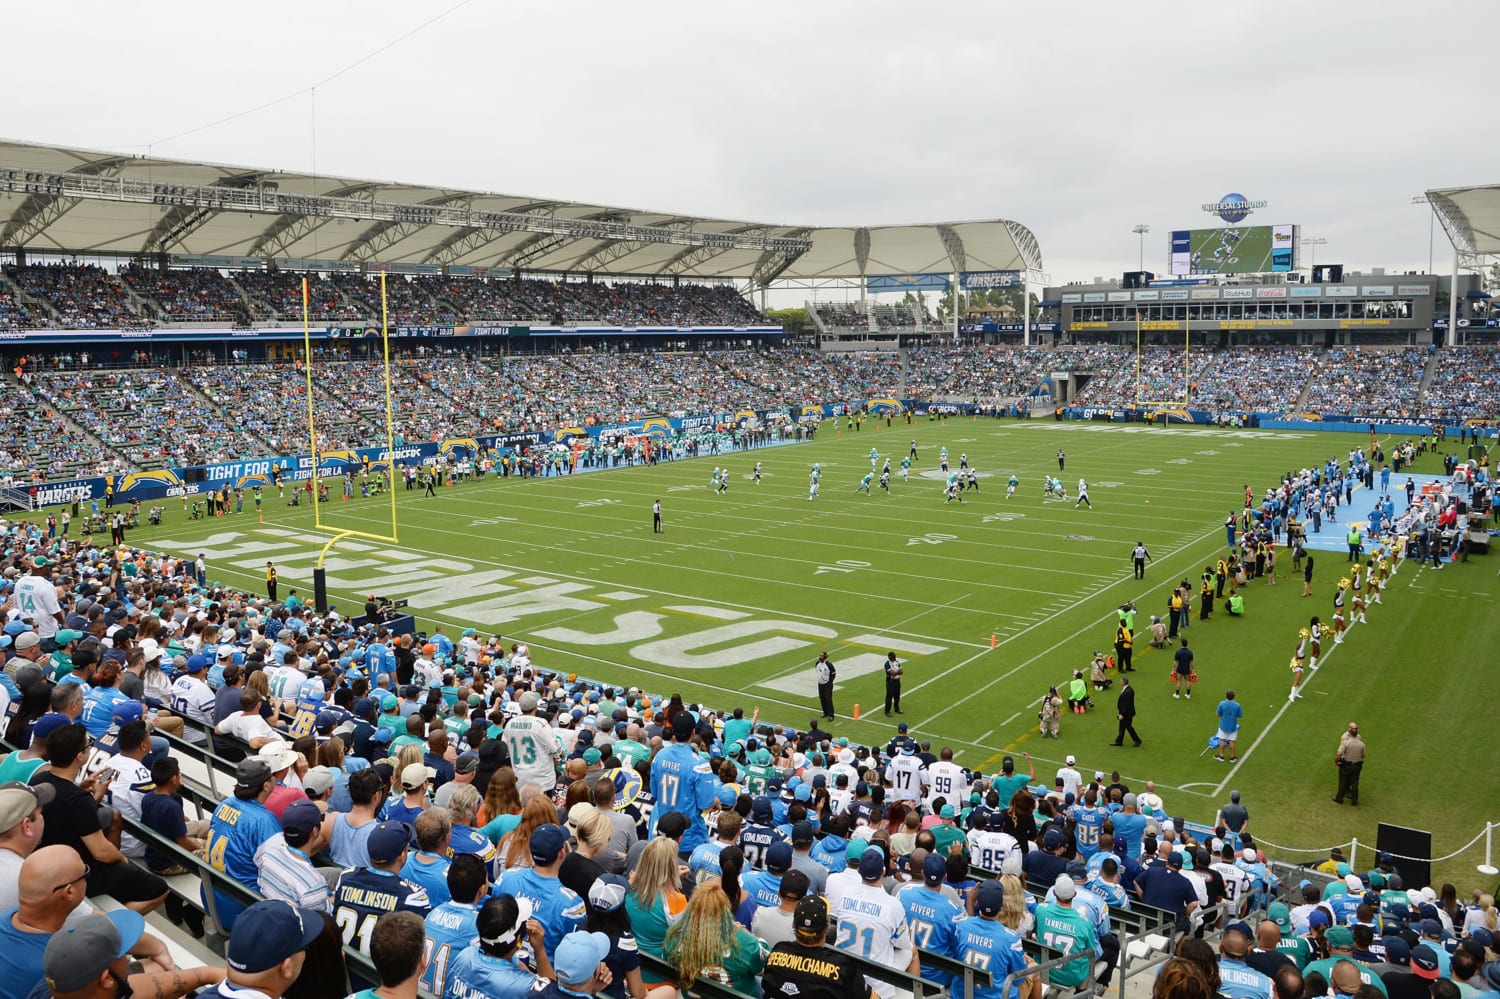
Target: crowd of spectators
<point>419,797</point>
<point>191,295</point>
<point>81,296</point>
<point>1464,383</point>
<point>14,314</point>
<point>1373,382</point>
<point>278,295</point>
<point>842,316</point>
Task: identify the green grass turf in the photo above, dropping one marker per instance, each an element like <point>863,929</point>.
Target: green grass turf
<point>594,591</point>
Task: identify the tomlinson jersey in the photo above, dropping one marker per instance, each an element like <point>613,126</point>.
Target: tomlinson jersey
<point>450,929</point>
<point>363,895</point>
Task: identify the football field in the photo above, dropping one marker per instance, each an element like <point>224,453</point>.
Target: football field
<point>986,602</point>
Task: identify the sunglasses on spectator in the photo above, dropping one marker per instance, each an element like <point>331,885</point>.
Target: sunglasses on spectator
<point>68,884</point>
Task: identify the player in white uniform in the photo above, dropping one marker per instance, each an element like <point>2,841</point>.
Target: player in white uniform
<point>723,483</point>
<point>885,478</point>
<point>1083,495</point>
<point>756,474</point>
<point>1010,487</point>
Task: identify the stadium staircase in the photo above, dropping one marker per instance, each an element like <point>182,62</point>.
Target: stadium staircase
<point>1428,373</point>
<point>138,304</point>
<point>257,307</point>
<point>1305,394</point>
<point>817,320</point>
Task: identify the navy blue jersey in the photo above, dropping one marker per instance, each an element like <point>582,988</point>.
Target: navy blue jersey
<point>363,895</point>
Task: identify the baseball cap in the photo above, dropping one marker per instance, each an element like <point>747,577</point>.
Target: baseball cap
<point>66,635</point>
<point>794,885</point>
<point>1492,974</point>
<point>810,917</point>
<point>608,892</point>
<point>388,841</point>
<point>871,863</point>
<point>1397,951</point>
<point>1063,887</point>
<point>1071,759</point>
<point>268,933</point>
<point>17,801</point>
<point>77,955</point>
<point>761,808</point>
<point>1319,917</point>
<point>317,780</point>
<point>1242,928</point>
<point>934,869</point>
<point>126,712</point>
<point>150,648</point>
<point>466,763</point>
<point>1424,962</point>
<point>251,773</point>
<point>578,956</point>
<point>1354,884</point>
<point>671,825</point>
<point>27,640</point>
<point>1430,927</point>
<point>416,775</point>
<point>1279,914</point>
<point>1339,936</point>
<point>991,898</point>
<point>779,859</point>
<point>802,832</point>
<point>1174,859</point>
<point>547,843</point>
<point>947,812</point>
<point>197,664</point>
<point>382,736</point>
<point>49,723</point>
<point>1052,840</point>
<point>278,756</point>
<point>528,701</point>
<point>301,817</point>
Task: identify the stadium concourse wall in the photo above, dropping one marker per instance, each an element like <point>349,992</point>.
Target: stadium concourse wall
<point>245,474</point>
<point>268,333</point>
<point>1333,422</point>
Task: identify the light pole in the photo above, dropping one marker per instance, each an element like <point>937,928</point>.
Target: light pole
<point>1314,242</point>
<point>1421,199</point>
<point>1140,230</point>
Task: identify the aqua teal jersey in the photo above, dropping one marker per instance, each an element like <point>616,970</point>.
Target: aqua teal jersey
<point>1072,932</point>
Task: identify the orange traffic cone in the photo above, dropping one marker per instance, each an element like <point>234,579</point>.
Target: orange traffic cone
<point>993,641</point>
<point>856,712</point>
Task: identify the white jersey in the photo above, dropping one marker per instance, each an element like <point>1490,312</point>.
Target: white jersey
<point>36,598</point>
<point>988,848</point>
<point>872,924</point>
<point>905,774</point>
<point>132,783</point>
<point>1072,781</point>
<point>192,698</point>
<point>946,780</point>
<point>533,751</point>
<point>1237,885</point>
<point>285,682</point>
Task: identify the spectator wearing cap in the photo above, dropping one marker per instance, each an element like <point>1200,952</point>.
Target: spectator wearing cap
<point>91,960</point>
<point>579,966</point>
<point>240,824</point>
<point>465,768</point>
<point>1233,816</point>
<point>765,886</point>
<point>773,924</point>
<point>267,950</point>
<point>1340,941</point>
<point>1237,979</point>
<point>558,908</point>
<point>803,838</point>
<point>363,894</point>
<point>761,833</point>
<point>282,760</point>
<point>534,749</point>
<point>982,940</point>
<point>1166,887</point>
<point>805,966</point>
<point>490,965</point>
<point>877,921</point>
<point>1279,940</point>
<point>21,822</point>
<point>947,836</point>
<point>37,593</point>
<point>681,783</point>
<point>607,915</point>
<point>1047,859</point>
<point>1397,974</point>
<point>73,819</point>
<point>1059,917</point>
<point>192,698</point>
<point>415,778</point>
<point>932,914</point>
<point>20,765</point>
<point>285,860</point>
<point>1431,931</point>
<point>450,926</point>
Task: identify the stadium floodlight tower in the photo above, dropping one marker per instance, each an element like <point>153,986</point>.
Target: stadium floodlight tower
<point>1140,229</point>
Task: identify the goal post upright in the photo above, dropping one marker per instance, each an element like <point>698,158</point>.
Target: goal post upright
<point>320,577</point>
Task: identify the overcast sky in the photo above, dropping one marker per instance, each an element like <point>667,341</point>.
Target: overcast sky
<point>1078,120</point>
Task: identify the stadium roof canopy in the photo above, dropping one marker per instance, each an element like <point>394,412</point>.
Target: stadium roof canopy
<point>56,200</point>
<point>1471,216</point>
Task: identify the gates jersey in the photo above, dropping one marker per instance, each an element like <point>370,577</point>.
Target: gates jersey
<point>364,894</point>
<point>450,929</point>
<point>1090,823</point>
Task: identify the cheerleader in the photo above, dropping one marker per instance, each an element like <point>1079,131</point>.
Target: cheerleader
<point>1357,588</point>
<point>1339,595</point>
<point>1298,658</point>
<point>1377,573</point>
<point>1314,641</point>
